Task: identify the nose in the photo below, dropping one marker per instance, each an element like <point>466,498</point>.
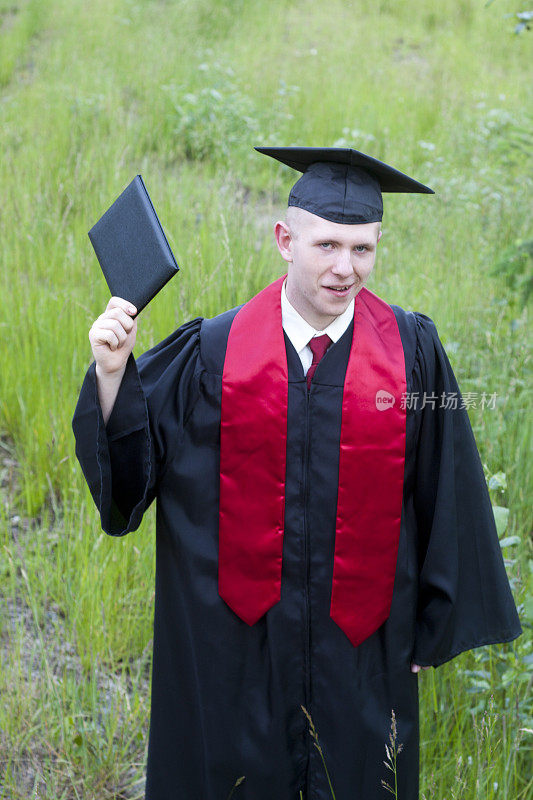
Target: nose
<point>343,264</point>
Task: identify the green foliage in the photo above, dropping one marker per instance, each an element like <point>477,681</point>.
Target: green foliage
<point>516,266</point>
<point>524,18</point>
<point>90,94</point>
<point>212,121</point>
<point>19,23</point>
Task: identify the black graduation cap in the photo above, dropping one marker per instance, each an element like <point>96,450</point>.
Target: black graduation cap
<point>342,184</point>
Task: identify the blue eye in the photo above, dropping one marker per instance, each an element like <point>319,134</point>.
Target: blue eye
<point>326,245</point>
<point>360,248</point>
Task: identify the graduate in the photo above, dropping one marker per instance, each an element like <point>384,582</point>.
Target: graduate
<point>324,528</point>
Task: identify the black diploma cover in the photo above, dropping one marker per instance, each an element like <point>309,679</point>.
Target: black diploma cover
<point>132,248</point>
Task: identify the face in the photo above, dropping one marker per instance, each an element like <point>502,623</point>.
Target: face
<point>329,262</point>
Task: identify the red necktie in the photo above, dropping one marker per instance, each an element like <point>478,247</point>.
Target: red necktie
<point>318,345</point>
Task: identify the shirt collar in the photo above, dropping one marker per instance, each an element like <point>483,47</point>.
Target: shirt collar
<point>299,331</point>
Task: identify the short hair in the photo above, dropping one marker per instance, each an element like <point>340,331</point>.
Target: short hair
<point>293,218</point>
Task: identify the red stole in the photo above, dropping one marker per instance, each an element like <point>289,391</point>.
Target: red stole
<point>253,442</point>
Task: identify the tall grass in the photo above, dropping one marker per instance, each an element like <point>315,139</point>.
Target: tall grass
<point>92,93</point>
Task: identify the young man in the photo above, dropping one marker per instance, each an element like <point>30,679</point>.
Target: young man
<point>324,528</point>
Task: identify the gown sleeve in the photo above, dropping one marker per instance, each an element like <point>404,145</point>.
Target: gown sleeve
<point>124,460</point>
<point>464,596</point>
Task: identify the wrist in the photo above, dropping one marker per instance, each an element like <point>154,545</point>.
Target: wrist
<point>110,376</point>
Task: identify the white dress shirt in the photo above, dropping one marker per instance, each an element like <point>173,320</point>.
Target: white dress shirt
<point>299,331</point>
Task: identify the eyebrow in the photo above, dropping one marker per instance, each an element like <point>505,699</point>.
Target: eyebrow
<point>323,239</point>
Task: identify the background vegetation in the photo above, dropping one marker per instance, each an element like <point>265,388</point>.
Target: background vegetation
<point>93,92</point>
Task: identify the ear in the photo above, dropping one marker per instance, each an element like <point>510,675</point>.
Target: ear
<point>283,240</point>
<point>380,234</point>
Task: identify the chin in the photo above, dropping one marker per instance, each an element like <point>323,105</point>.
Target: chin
<point>340,305</point>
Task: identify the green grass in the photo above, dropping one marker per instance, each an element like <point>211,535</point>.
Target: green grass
<point>92,93</point>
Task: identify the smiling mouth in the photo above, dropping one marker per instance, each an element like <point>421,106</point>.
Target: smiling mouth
<point>340,289</point>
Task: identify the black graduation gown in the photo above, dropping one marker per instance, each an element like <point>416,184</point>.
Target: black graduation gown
<point>226,696</point>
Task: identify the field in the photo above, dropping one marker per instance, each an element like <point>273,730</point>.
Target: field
<point>94,92</point>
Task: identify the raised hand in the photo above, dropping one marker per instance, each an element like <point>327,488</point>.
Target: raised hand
<point>112,337</point>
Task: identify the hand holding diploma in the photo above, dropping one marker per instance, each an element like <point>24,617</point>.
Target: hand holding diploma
<point>112,337</point>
